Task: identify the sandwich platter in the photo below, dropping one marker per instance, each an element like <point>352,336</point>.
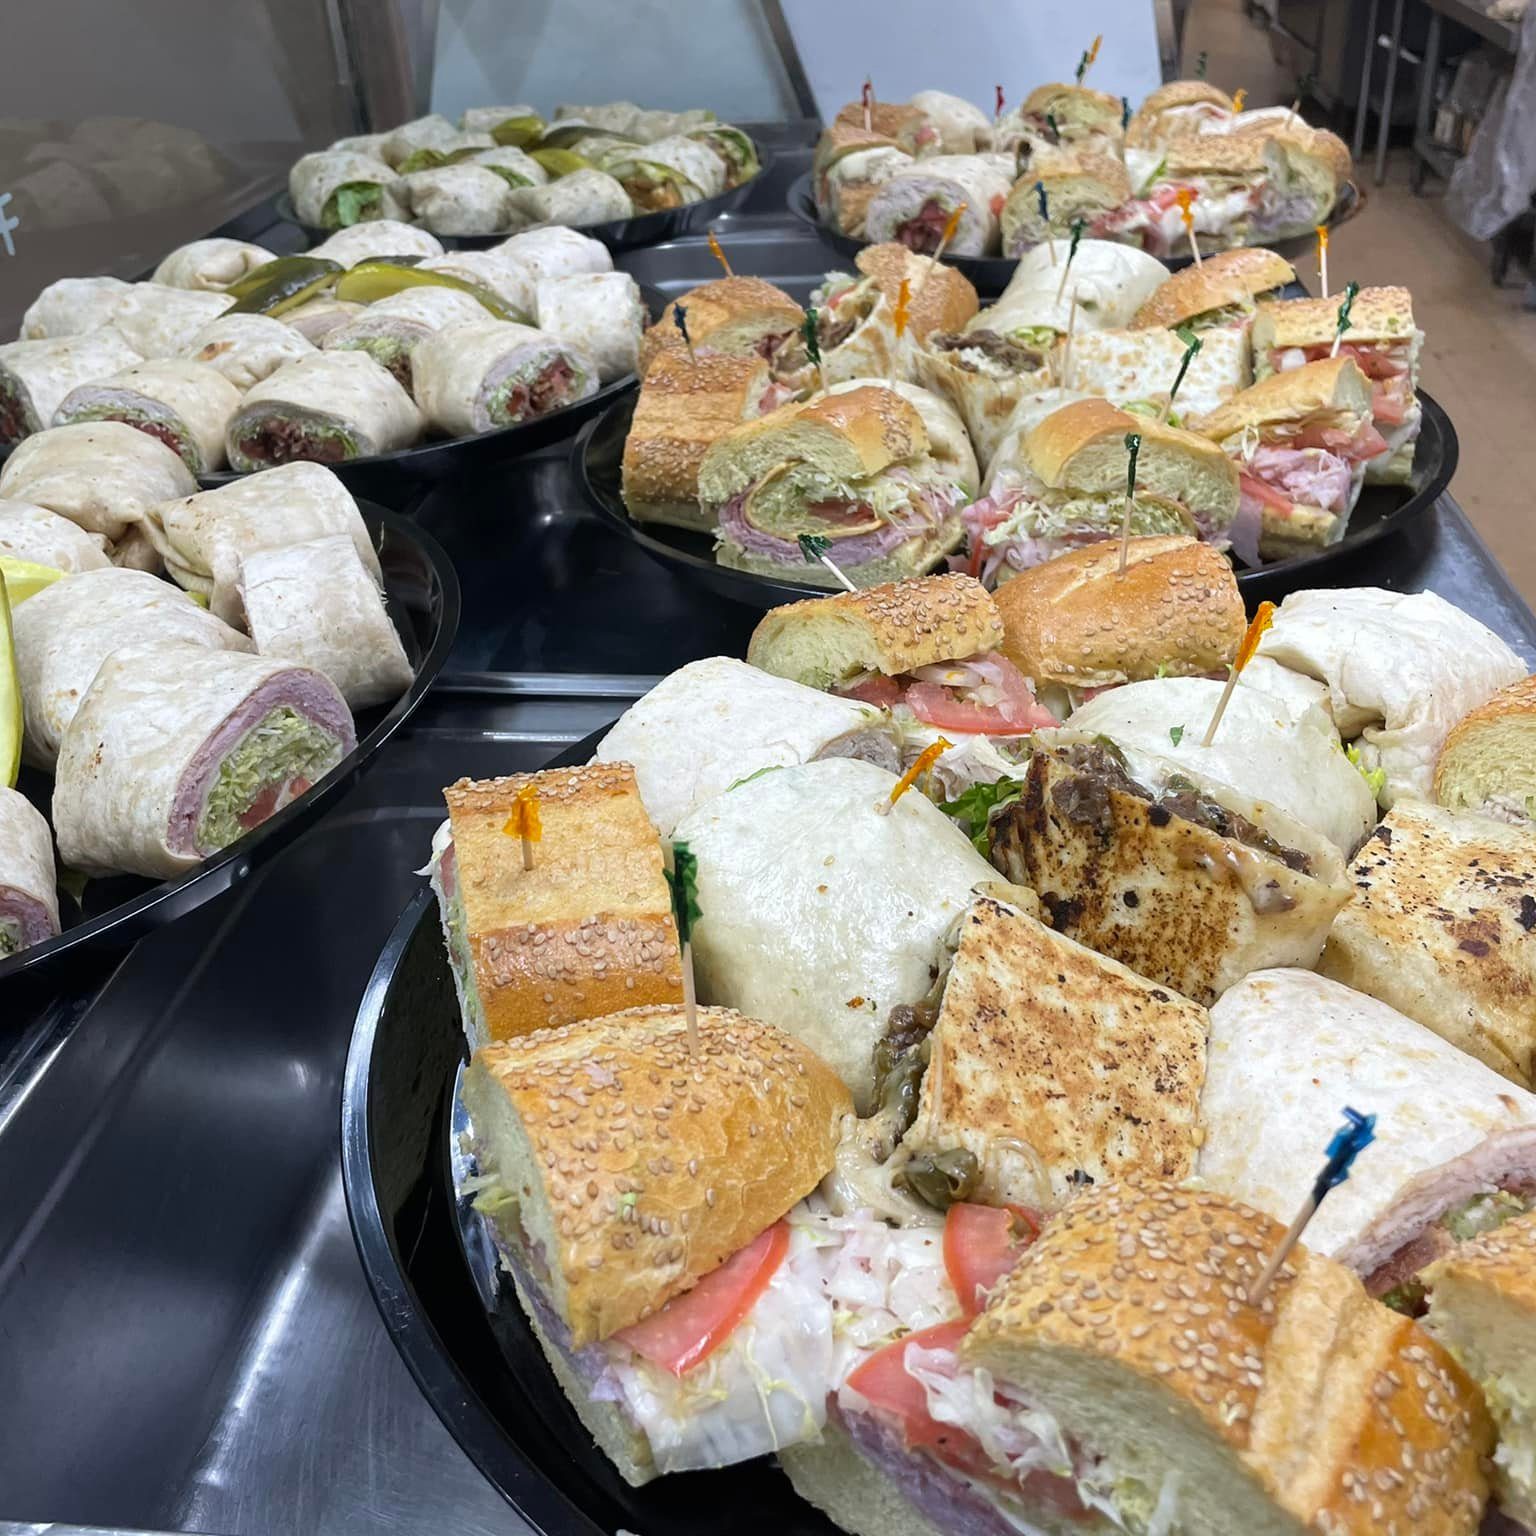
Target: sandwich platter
<point>991,274</point>
<point>617,234</point>
<point>597,455</point>
<point>421,594</point>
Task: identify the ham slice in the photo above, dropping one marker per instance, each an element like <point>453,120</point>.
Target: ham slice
<point>1283,477</point>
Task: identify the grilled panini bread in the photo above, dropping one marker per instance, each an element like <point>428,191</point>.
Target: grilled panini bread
<point>1313,1410</point>
<point>1079,184</point>
<point>1051,1068</point>
<point>1177,886</point>
<point>1440,927</point>
<point>1488,762</point>
<point>586,931</point>
<point>890,629</point>
<point>939,297</point>
<point>738,316</point>
<point>1175,109</point>
<point>683,407</point>
<point>1225,282</point>
<point>1078,621</point>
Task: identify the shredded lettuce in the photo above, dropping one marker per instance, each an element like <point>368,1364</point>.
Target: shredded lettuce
<point>1375,778</point>
<point>1482,1214</point>
<point>283,746</point>
<point>351,204</point>
<point>767,768</point>
<point>974,809</point>
<point>10,939</point>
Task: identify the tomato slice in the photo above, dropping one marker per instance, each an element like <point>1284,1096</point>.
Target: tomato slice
<point>1260,491</point>
<point>981,1244</point>
<point>842,514</point>
<point>260,808</point>
<point>692,1326</point>
<point>882,692</point>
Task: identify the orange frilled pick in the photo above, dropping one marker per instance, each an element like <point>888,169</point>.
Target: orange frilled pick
<point>1262,619</point>
<point>524,820</point>
<point>1239,96</point>
<point>925,760</point>
<point>718,254</point>
<point>903,301</point>
<point>951,224</point>
<point>1185,198</point>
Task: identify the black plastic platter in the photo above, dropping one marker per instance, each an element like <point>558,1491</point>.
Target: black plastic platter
<point>991,274</point>
<point>388,477</point>
<point>616,234</point>
<point>597,457</point>
<point>422,595</point>
<point>462,1335</point>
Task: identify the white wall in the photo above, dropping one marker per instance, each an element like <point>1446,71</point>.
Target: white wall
<point>971,46</point>
<point>660,53</point>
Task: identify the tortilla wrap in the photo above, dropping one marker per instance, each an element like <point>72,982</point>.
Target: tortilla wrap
<point>1126,366</point>
<point>599,313</point>
<point>186,405</point>
<point>849,184</point>
<point>498,272</point>
<point>29,897</point>
<point>73,305</point>
<point>248,348</point>
<point>211,265</point>
<point>963,127</point>
<point>35,376</point>
<point>316,178</point>
<point>389,330</point>
<point>159,321</point>
<point>315,319</point>
<point>930,191</point>
<point>555,253</point>
<point>378,237</point>
<point>458,199</point>
<point>474,378</point>
<point>583,197</point>
<point>34,534</point>
<point>1108,281</point>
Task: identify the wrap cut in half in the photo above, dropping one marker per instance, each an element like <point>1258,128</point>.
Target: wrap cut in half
<point>336,188</point>
<point>64,632</point>
<point>555,253</point>
<point>1176,883</point>
<point>35,376</point>
<point>1455,1147</point>
<point>601,313</point>
<point>475,378</point>
<point>40,537</point>
<point>203,538</point>
<point>29,898</point>
<point>915,204</point>
<point>211,265</point>
<point>666,173</point>
<point>175,752</point>
<point>377,238</point>
<point>319,605</point>
<point>327,408</point>
<point>459,199</point>
<point>186,405</point>
<point>389,330</point>
<point>103,476</point>
<point>71,306</point>
<point>248,348</point>
<point>160,321</point>
<point>583,197</point>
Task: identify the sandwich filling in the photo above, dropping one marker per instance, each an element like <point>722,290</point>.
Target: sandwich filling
<point>842,304</point>
<point>979,695</point>
<point>994,354</point>
<point>1392,366</point>
<point>16,417</point>
<point>352,203</point>
<point>1222,210</point>
<point>147,416</point>
<point>1286,469</point>
<point>1396,1280</point>
<point>23,920</point>
<point>518,391</point>
<point>270,437</point>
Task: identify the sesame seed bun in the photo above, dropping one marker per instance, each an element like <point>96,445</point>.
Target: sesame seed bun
<point>1078,104</point>
<point>683,407</point>
<point>1333,388</point>
<point>1378,314</point>
<point>1078,621</point>
<point>889,629</point>
<point>940,298</point>
<point>730,315</point>
<point>1228,277</point>
<point>892,124</point>
<point>1317,1409</point>
<point>1079,184</point>
<point>1237,156</point>
<point>589,928</point>
<point>638,1163</point>
<point>1152,125</point>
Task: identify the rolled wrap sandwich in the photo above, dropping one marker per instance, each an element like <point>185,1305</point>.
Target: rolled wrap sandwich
<point>556,253</point>
<point>40,537</point>
<point>848,185</point>
<point>854,468</point>
<point>665,173</point>
<point>333,189</point>
<point>583,197</point>
<point>29,897</point>
<point>733,316</point>
<point>186,405</point>
<point>211,264</point>
<point>684,1315</point>
<point>319,605</point>
<point>176,751</point>
<point>1440,928</point>
<point>378,237</point>
<point>1401,670</point>
<point>716,723</point>
<point>914,206</point>
<point>600,313</point>
<point>390,330</point>
<point>459,199</point>
<point>735,149</point>
<point>204,538</point>
<point>515,167</point>
<point>1067,488</point>
<point>315,319</point>
<point>65,632</point>
<point>578,935</point>
<point>103,476</point>
<point>425,132</point>
<point>1385,344</point>
<point>497,271</point>
<point>1079,184</point>
<point>160,321</point>
<point>683,407</point>
<point>474,378</point>
<point>1455,1148</point>
<point>328,408</point>
<point>70,306</point>
<point>36,376</point>
<point>821,912</point>
<point>248,348</point>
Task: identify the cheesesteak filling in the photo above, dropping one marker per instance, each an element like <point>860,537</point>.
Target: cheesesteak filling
<point>989,352</point>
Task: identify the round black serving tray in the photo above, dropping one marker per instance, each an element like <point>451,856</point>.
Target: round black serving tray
<point>597,456</point>
<point>385,477</point>
<point>461,1333</point>
<point>422,595</point>
<point>616,234</point>
<point>990,274</point>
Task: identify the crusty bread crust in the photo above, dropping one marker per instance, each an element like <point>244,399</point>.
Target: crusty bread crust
<point>1347,1415</point>
<point>589,928</point>
<point>1182,93</point>
<point>1378,314</point>
<point>1239,155</point>
<point>1076,620</point>
<point>940,298</point>
<point>748,306</point>
<point>1503,1261</point>
<point>639,1163</point>
<point>888,629</point>
<point>1228,277</point>
<point>1511,706</point>
<point>1088,105</point>
<point>1332,386</point>
<point>1054,444</point>
<point>684,405</point>
<point>892,125</point>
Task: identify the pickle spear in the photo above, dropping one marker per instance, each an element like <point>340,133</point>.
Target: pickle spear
<point>518,131</point>
<point>23,579</point>
<point>564,135</point>
<point>559,162</point>
<point>429,159</point>
<point>283,284</point>
<point>10,698</point>
<point>370,281</point>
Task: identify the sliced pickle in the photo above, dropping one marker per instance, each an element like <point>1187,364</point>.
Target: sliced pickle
<point>283,284</point>
<point>370,281</point>
<point>429,159</point>
<point>559,162</point>
<point>10,698</point>
<point>519,132</point>
<point>563,135</point>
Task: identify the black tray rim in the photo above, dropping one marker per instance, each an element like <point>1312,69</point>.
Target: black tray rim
<point>751,589</point>
<point>168,900</point>
<point>640,229</point>
<point>990,274</point>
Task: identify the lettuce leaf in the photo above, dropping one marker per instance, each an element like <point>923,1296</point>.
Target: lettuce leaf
<point>974,809</point>
<point>1375,778</point>
<point>356,201</point>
